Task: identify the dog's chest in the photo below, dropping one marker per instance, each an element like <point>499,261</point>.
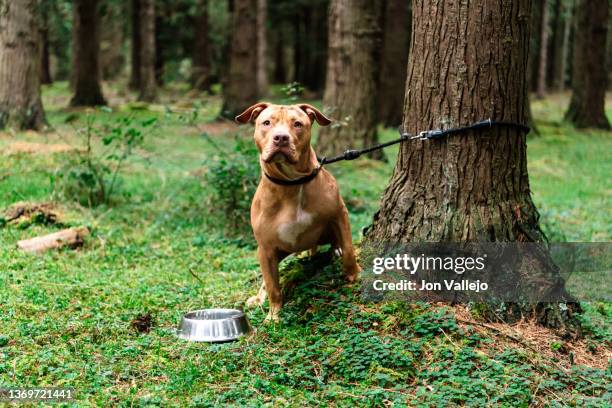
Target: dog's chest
<point>296,221</point>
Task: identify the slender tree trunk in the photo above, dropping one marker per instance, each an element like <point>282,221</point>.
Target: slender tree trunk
<point>148,83</point>
<point>554,39</point>
<point>589,79</point>
<point>542,63</point>
<point>86,54</point>
<point>609,50</point>
<point>561,47</point>
<point>566,51</point>
<point>352,76</point>
<point>262,48</point>
<point>45,64</point>
<point>298,47</point>
<point>394,60</point>
<point>472,186</point>
<point>280,66</point>
<point>112,38</point>
<point>59,48</point>
<point>240,88</point>
<point>534,45</point>
<point>136,44</point>
<point>200,75</point>
<point>20,103</point>
<point>315,39</point>
<point>159,29</point>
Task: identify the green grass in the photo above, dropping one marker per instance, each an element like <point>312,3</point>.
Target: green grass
<point>65,316</point>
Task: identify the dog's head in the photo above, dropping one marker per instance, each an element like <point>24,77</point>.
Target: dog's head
<point>282,132</point>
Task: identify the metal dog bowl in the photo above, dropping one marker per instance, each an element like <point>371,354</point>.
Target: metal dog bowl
<point>213,325</point>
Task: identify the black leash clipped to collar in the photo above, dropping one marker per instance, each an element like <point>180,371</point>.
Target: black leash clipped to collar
<point>425,135</point>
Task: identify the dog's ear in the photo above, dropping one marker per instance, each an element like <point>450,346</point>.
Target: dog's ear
<point>251,113</point>
<point>315,114</point>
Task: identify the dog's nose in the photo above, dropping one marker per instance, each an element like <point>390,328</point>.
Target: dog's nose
<point>280,139</point>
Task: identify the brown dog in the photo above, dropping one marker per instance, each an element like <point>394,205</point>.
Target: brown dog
<point>297,205</point>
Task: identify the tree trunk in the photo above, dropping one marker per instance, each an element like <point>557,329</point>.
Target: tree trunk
<point>159,30</point>
<point>394,60</point>
<point>200,74</point>
<point>609,50</point>
<point>298,46</point>
<point>352,76</point>
<point>473,186</point>
<point>590,77</point>
<point>280,66</point>
<point>136,44</point>
<point>59,41</point>
<point>112,38</point>
<point>534,46</point>
<point>262,48</point>
<point>45,65</point>
<point>148,83</point>
<point>240,88</point>
<point>20,103</point>
<point>541,86</point>
<point>86,54</point>
<point>315,39</point>
<point>567,49</point>
<point>562,28</point>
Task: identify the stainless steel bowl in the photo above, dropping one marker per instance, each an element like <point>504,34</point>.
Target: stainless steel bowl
<point>213,325</point>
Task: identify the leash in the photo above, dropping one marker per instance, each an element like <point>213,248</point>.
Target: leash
<point>352,154</point>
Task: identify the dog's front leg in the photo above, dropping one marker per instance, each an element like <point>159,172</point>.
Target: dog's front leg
<point>342,232</point>
<point>268,261</point>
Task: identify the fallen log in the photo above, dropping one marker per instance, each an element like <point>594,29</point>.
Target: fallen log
<point>71,237</point>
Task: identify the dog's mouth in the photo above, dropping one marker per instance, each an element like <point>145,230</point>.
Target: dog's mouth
<point>279,155</point>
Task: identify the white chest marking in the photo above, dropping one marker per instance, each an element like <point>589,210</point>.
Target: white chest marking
<point>289,232</point>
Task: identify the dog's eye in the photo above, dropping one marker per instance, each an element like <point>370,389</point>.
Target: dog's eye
<point>266,123</point>
<point>298,124</point>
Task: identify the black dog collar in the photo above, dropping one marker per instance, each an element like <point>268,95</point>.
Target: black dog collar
<point>298,181</point>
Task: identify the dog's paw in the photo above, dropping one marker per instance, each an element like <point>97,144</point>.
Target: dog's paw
<point>271,318</point>
<point>255,301</point>
<point>351,278</point>
<point>352,274</point>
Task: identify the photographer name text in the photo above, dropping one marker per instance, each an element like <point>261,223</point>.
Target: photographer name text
<point>405,263</point>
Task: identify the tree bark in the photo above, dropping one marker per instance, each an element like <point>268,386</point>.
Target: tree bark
<point>468,62</point>
<point>262,48</point>
<point>299,46</point>
<point>534,45</point>
<point>20,103</point>
<point>240,89</point>
<point>159,29</point>
<point>394,60</point>
<point>590,77</point>
<point>543,58</point>
<point>148,83</point>
<point>86,54</point>
<point>200,75</point>
<point>136,44</point>
<point>352,76</point>
<point>315,46</point>
<point>45,65</point>
<point>562,32</point>
<point>609,50</point>
<point>112,38</point>
<point>280,66</point>
<point>567,49</point>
